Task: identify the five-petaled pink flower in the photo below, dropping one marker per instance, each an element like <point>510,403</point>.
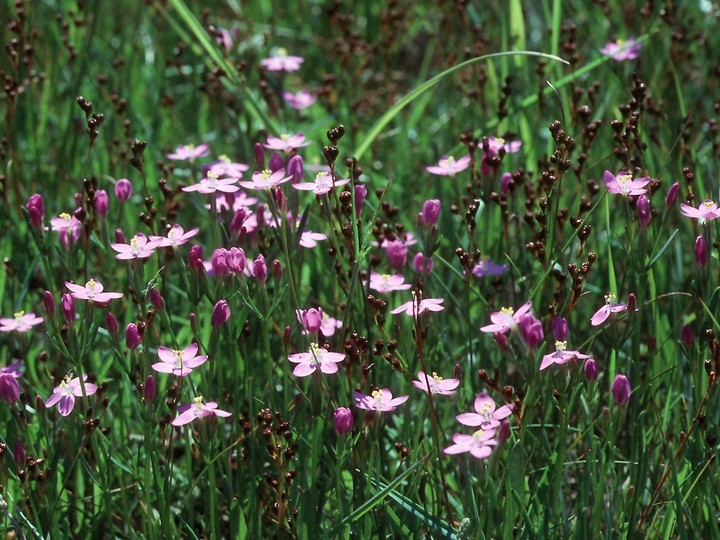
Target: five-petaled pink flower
<point>266,179</point>
<point>487,417</point>
<point>323,184</point>
<point>707,210</point>
<point>189,152</point>
<point>178,362</point>
<point>282,62</point>
<point>139,247</point>
<point>197,409</point>
<point>286,142</point>
<point>21,322</point>
<point>622,49</point>
<point>379,400</point>
<point>176,236</point>
<point>68,228</point>
<point>299,101</point>
<point>92,291</point>
<point>414,308</point>
<point>561,356</point>
<point>479,444</point>
<point>623,184</point>
<point>602,314</point>
<point>448,166</point>
<point>435,384</point>
<point>386,283</point>
<point>213,183</point>
<point>309,239</point>
<point>315,358</point>
<point>225,167</point>
<point>65,393</point>
<point>506,319</point>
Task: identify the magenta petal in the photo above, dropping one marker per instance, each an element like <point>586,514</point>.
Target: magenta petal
<point>600,316</point>
<point>470,419</point>
<point>66,405</point>
<point>304,369</point>
<point>52,400</point>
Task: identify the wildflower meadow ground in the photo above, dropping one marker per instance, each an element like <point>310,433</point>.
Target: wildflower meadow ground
<point>359,269</point>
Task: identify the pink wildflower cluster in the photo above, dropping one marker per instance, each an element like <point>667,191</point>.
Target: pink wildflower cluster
<point>493,425</point>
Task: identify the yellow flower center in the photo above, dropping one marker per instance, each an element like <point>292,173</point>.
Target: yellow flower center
<point>437,377</point>
<point>708,204</point>
<point>282,51</point>
<point>198,402</point>
<point>507,311</point>
<point>610,298</point>
<point>561,346</point>
<point>500,140</point>
<point>90,285</point>
<point>65,216</point>
<point>478,434</point>
<point>19,315</point>
<point>624,179</point>
<point>265,174</point>
<point>377,395</point>
<point>285,136</point>
<point>224,159</point>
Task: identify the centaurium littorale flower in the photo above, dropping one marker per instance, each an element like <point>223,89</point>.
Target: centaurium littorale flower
<point>139,247</point>
<point>435,384</point>
<point>309,239</point>
<point>506,319</point>
<point>20,322</point>
<point>176,236</point>
<point>385,283</point>
<point>212,183</point>
<point>189,152</point>
<point>621,50</point>
<point>316,358</point>
<point>266,179</point>
<point>413,308</point>
<point>281,61</point>
<point>323,184</point>
<point>623,184</point>
<point>287,142</point>
<point>479,444</point>
<point>300,100</point>
<point>65,393</point>
<point>197,409</point>
<point>449,166</point>
<point>561,356</point>
<point>487,414</point>
<point>379,400</point>
<point>178,362</point>
<point>92,292</point>
<point>706,211</point>
<point>602,314</point>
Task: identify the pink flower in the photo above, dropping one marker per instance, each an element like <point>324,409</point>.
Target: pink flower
<point>311,319</point>
<point>212,183</point>
<point>343,420</point>
<point>266,179</point>
<point>623,184</point>
<point>92,292</point>
<point>64,395</point>
<point>602,314</point>
<point>396,251</point>
<point>197,409</point>
<point>323,184</point>
<point>176,236</point>
<point>561,356</point>
<point>21,322</point>
<point>488,268</point>
<point>448,166</point>
<point>282,62</point>
<point>329,325</point>
<point>506,319</point>
<point>479,444</point>
<point>9,387</point>
<point>286,142</point>
<point>486,415</point>
<point>189,152</point>
<point>707,210</point>
<point>436,384</point>
<point>309,239</point>
<point>138,248</point>
<point>379,400</point>
<point>68,228</point>
<point>316,357</point>
<point>301,100</point>
<point>386,283</point>
<point>225,167</point>
<point>622,49</point>
<point>621,389</point>
<point>180,363</point>
<point>413,308</point>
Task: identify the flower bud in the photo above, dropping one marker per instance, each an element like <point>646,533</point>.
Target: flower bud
<point>9,388</point>
<point>237,220</point>
<point>531,330</point>
<point>503,432</point>
<point>111,323</point>
<point>19,454</point>
<point>276,162</point>
<point>591,370</point>
<point>101,203</point>
<point>220,314</point>
<point>632,300</point>
<point>430,212</point>
<point>132,337</point>
<point>280,199</point>
<point>343,420</point>
<point>560,329</point>
<point>260,270</point>
<point>49,303</point>
<point>193,321</point>
<point>259,153</point>
<point>360,194</point>
<point>67,304</point>
<point>643,210</point>
<point>119,237</point>
<point>423,265</point>
<point>502,341</point>
<point>150,389</point>
<point>312,319</point>
<point>219,262</point>
<point>195,258</point>
<point>688,336</point>
<point>236,260</point>
<point>36,210</point>
<point>701,257</point>
<point>296,169</point>
<point>276,269</point>
<point>621,390</point>
<point>672,195</point>
<point>123,189</point>
<point>156,299</point>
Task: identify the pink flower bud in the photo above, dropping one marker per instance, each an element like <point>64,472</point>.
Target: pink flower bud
<point>560,329</point>
<point>193,321</point>
<point>19,454</point>
<point>688,336</point>
<point>360,194</point>
<point>280,199</point>
<point>531,330</point>
<point>312,320</point>
<point>672,195</point>
<point>119,237</point>
<point>430,212</point>
<point>111,323</point>
<point>423,265</point>
<point>237,220</point>
<point>150,389</point>
<point>621,390</point>
<point>296,169</point>
<point>220,314</point>
<point>49,303</point>
<point>502,341</point>
<point>195,261</point>
<point>9,388</point>
<point>591,369</point>
<point>260,270</point>
<point>259,153</point>
<point>701,258</point>
<point>643,210</point>
<point>631,303</point>
<point>396,252</point>
<point>132,337</point>
<point>276,162</point>
<point>236,260</point>
<point>343,420</point>
<point>503,432</point>
<point>67,304</point>
<point>101,203</point>
<point>36,210</point>
<point>123,189</point>
<point>276,269</point>
<point>156,299</point>
<point>219,262</point>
